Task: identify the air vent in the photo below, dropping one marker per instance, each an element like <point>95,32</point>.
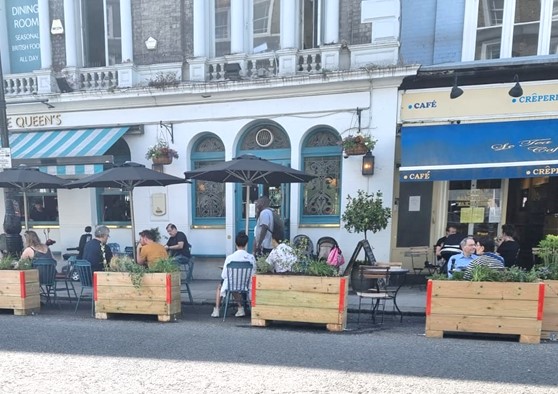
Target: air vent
<point>264,138</point>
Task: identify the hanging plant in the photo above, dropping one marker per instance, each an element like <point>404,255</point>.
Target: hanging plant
<point>161,153</point>
<point>358,144</point>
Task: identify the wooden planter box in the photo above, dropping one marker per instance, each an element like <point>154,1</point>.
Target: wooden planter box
<point>159,294</point>
<point>550,318</point>
<point>296,298</point>
<point>485,307</point>
<point>20,291</point>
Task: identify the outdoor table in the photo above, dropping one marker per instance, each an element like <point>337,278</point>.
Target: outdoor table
<point>396,279</point>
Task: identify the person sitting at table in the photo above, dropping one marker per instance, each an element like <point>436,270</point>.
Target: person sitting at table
<point>508,247</point>
<point>96,250</point>
<point>440,242</point>
<point>459,261</point>
<point>34,248</point>
<point>282,257</point>
<point>177,245</point>
<point>484,249</point>
<point>240,254</point>
<point>149,251</point>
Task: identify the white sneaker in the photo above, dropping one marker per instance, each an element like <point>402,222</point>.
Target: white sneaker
<point>215,312</point>
<point>240,312</point>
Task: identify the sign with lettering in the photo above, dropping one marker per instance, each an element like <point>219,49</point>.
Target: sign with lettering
<point>22,17</point>
<point>34,121</point>
<point>5,158</point>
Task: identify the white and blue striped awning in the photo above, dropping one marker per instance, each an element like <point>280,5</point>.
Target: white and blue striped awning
<point>65,143</point>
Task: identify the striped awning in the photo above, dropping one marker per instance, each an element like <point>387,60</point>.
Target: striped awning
<point>65,143</point>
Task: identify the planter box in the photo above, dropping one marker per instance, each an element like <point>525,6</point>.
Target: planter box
<point>485,307</point>
<point>159,294</point>
<point>550,318</point>
<point>20,291</point>
<point>296,298</point>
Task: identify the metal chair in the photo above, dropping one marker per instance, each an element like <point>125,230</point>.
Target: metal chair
<point>47,278</point>
<point>64,279</point>
<point>239,275</point>
<point>114,247</point>
<point>186,274</point>
<point>324,246</point>
<point>301,240</point>
<point>83,267</point>
<point>379,294</point>
<point>416,254</point>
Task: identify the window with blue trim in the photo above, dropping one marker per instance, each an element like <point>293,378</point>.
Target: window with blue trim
<point>208,197</point>
<point>321,197</point>
<point>113,204</point>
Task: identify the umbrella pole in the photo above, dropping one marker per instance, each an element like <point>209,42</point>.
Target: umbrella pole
<point>25,213</point>
<point>247,215</point>
<point>134,246</point>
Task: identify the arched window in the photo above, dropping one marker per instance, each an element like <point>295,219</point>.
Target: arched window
<point>208,198</point>
<point>321,197</point>
<point>113,205</point>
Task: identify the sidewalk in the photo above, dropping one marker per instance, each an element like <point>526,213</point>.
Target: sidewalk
<point>411,299</point>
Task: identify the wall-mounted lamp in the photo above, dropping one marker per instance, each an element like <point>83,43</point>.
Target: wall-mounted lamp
<point>151,43</point>
<point>368,164</point>
<point>517,90</point>
<point>456,91</point>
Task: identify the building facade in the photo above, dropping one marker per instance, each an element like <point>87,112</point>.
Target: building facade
<point>483,105</point>
<point>284,80</point>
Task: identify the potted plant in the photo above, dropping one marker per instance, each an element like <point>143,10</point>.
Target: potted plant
<point>357,144</point>
<point>548,272</point>
<point>510,301</point>
<point>364,213</point>
<point>161,153</point>
<point>20,289</point>
<point>312,292</point>
<point>128,287</point>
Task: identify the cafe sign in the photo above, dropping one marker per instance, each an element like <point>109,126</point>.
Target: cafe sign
<point>34,121</point>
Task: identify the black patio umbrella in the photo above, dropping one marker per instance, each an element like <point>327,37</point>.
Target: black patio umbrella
<point>127,177</point>
<point>26,178</point>
<point>249,170</point>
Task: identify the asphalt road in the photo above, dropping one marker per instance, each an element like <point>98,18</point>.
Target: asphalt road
<point>57,351</point>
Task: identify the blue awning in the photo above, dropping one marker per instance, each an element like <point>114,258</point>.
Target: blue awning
<point>65,143</point>
<point>520,149</point>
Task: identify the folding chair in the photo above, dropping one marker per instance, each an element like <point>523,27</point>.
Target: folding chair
<point>64,279</point>
<point>47,278</point>
<point>379,294</point>
<point>417,254</point>
<point>83,267</point>
<point>239,276</point>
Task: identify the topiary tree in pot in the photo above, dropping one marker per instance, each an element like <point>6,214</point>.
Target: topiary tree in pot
<point>363,213</point>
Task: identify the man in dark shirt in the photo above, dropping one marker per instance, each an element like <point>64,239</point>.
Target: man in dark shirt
<point>177,245</point>
<point>96,251</point>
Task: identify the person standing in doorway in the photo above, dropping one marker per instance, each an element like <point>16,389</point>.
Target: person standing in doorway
<point>264,227</point>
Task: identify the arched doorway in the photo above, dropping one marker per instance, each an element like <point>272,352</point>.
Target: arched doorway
<point>268,140</point>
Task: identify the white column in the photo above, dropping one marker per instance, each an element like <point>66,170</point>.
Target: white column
<point>44,34</point>
<point>331,31</point>
<point>289,22</point>
<point>4,46</point>
<point>200,26</point>
<point>70,33</point>
<point>126,38</point>
<point>237,26</point>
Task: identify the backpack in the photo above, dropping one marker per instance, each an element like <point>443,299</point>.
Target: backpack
<point>335,257</point>
<point>278,231</point>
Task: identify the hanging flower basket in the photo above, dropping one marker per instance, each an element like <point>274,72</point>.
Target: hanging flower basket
<point>356,150</point>
<point>162,160</point>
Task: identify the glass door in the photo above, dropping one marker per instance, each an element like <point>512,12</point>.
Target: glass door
<point>474,207</point>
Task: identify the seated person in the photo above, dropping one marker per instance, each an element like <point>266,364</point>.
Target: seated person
<point>459,261</point>
<point>34,248</point>
<point>282,257</point>
<point>486,256</point>
<point>149,251</point>
<point>240,254</point>
<point>440,243</point>
<point>508,247</point>
<point>177,245</point>
<point>96,250</point>
<point>451,247</point>
<point>38,212</point>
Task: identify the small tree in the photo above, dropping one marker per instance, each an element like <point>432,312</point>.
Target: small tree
<point>365,212</point>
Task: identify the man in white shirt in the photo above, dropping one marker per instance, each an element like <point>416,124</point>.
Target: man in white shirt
<point>264,227</point>
<point>240,254</point>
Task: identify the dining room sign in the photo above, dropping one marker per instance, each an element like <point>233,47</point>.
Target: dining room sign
<point>22,18</point>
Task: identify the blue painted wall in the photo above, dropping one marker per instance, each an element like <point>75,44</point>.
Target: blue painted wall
<point>431,31</point>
